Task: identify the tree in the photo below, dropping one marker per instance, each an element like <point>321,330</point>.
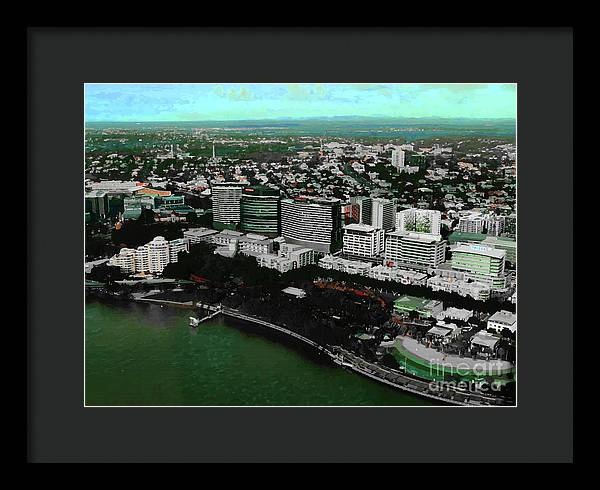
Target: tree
<point>191,218</point>
<point>147,216</point>
<point>105,273</point>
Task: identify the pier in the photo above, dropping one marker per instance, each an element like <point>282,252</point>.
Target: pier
<point>215,310</point>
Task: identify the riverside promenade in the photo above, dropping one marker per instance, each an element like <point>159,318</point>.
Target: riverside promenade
<point>394,378</point>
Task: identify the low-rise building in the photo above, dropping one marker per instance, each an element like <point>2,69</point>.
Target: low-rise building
<point>385,273</point>
<point>456,282</point>
<point>484,343</point>
<point>502,319</point>
<point>330,262</point>
<point>290,257</point>
<point>197,235</point>
<point>255,243</point>
<point>225,237</point>
<point>443,332</point>
<point>422,306</point>
<point>456,314</point>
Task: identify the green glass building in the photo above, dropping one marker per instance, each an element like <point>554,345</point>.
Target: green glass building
<point>480,263</point>
<point>260,210</point>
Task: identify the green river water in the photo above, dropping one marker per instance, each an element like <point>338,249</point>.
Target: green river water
<point>144,355</point>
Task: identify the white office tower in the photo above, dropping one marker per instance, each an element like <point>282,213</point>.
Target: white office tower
<point>158,254</point>
<point>363,240</point>
<point>421,250</point>
<point>383,214</point>
<point>226,202</point>
<point>398,158</point>
<point>422,221</point>
<point>314,223</point>
<point>176,246</point>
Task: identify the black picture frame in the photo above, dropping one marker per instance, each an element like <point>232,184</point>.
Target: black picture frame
<point>61,60</point>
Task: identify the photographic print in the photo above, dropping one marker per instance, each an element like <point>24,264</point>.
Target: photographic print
<point>300,244</point>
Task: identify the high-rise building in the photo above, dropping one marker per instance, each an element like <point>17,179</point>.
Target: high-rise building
<point>398,158</point>
<point>383,214</point>
<point>152,257</point>
<point>312,222</point>
<point>422,221</point>
<point>365,209</point>
<point>503,243</point>
<point>158,254</point>
<point>494,224</point>
<point>414,249</point>
<point>471,224</point>
<point>125,260</point>
<point>226,202</point>
<point>176,246</point>
<point>363,240</point>
<point>96,203</point>
<point>141,259</point>
<point>480,263</point>
<point>260,210</point>
<point>351,213</point>
<point>510,224</point>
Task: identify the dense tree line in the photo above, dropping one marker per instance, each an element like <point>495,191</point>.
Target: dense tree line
<point>449,299</point>
<point>138,232</point>
<point>202,261</point>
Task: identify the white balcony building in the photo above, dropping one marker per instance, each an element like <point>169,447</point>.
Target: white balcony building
<point>363,240</point>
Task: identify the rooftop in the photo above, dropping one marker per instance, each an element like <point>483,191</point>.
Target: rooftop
<point>505,317</point>
<point>480,250</point>
<point>360,227</point>
<point>458,313</point>
<point>459,236</point>
<point>200,232</point>
<point>420,237</point>
<point>155,192</point>
<point>414,302</point>
<point>485,339</point>
<point>439,330</point>
<point>299,293</point>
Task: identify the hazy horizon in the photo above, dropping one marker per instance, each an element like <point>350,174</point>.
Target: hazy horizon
<point>132,102</point>
<point>294,118</point>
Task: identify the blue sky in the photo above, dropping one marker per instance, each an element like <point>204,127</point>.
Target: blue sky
<point>238,101</point>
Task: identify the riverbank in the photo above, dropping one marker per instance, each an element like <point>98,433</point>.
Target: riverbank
<point>398,380</point>
<point>139,354</point>
<point>444,394</point>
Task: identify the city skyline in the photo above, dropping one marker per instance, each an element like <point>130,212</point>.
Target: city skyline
<point>134,102</point>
